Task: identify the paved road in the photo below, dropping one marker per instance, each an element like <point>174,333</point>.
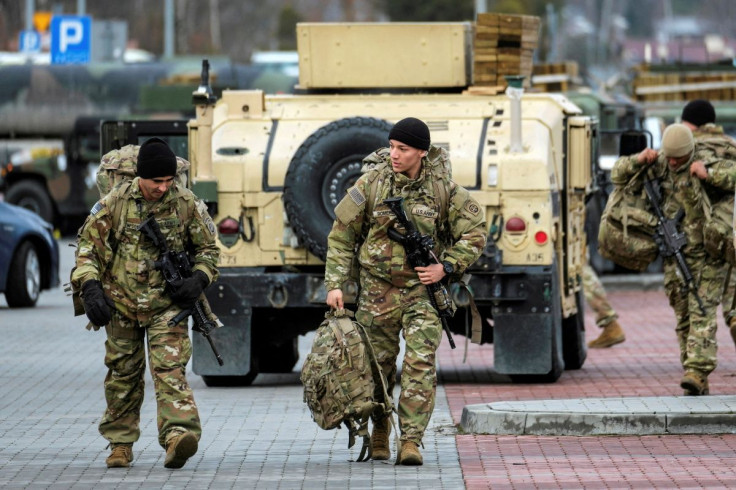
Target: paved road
<point>262,437</point>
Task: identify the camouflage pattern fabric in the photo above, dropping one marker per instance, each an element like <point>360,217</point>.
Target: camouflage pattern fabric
<point>169,351</point>
<point>392,299</point>
<point>712,132</point>
<point>120,165</point>
<point>125,268</point>
<point>680,190</point>
<point>595,296</point>
<point>696,333</point>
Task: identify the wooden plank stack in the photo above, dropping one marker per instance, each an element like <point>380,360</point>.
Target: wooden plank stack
<point>651,86</point>
<point>555,77</point>
<point>503,45</point>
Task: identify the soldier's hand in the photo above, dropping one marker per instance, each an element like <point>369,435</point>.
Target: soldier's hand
<point>430,274</point>
<point>187,294</point>
<point>334,299</point>
<point>96,304</point>
<point>647,156</point>
<point>697,168</point>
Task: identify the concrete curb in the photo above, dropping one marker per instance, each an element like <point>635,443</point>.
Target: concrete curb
<point>604,416</point>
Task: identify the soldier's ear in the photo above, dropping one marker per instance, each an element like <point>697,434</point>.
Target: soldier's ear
<point>424,154</point>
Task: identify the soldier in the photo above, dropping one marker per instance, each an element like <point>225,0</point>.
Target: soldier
<point>605,316</point>
<point>393,296</point>
<point>680,167</point>
<point>700,116</point>
<point>124,293</point>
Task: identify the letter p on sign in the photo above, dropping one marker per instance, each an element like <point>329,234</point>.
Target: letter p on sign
<point>70,39</point>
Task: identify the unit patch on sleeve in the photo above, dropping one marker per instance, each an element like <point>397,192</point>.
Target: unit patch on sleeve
<point>472,208</point>
<point>356,196</point>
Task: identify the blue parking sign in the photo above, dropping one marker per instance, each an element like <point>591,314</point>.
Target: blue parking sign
<point>70,39</point>
<point>30,41</point>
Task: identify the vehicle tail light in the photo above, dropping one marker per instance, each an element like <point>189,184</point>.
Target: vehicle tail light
<point>541,237</point>
<point>515,225</point>
<point>228,226</point>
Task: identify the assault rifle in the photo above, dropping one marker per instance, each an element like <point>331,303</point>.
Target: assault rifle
<point>419,252</point>
<point>670,240</point>
<point>175,267</point>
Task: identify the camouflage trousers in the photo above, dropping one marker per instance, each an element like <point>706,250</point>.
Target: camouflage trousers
<point>595,296</point>
<point>169,350</point>
<point>696,332</point>
<point>727,303</point>
<point>388,311</point>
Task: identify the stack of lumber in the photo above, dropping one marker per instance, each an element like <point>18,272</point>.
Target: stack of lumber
<point>503,45</point>
<point>555,77</point>
<point>651,86</point>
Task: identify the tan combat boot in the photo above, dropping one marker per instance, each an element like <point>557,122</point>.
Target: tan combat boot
<point>121,456</point>
<point>379,440</point>
<point>179,449</point>
<point>410,455</point>
<point>612,334</point>
<point>695,383</point>
<point>732,328</point>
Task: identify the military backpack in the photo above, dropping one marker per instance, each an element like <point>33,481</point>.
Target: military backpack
<point>718,237</point>
<point>339,376</point>
<point>628,224</point>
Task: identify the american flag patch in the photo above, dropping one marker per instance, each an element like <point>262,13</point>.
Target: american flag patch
<point>356,196</point>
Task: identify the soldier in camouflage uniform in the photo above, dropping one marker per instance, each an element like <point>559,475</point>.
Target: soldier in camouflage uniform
<point>681,167</point>
<point>393,297</point>
<point>124,293</point>
<point>700,116</point>
<point>605,316</point>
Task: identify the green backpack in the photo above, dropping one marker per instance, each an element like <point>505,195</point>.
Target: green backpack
<point>718,237</point>
<point>626,233</point>
<point>338,379</point>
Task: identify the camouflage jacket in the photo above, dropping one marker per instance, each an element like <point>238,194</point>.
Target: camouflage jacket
<point>355,232</point>
<point>125,266</point>
<point>680,190</point>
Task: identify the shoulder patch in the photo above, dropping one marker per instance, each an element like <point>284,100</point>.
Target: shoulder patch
<point>472,208</point>
<point>97,208</point>
<point>357,197</point>
<point>202,211</point>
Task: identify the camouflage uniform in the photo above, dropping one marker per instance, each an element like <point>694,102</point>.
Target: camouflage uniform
<point>595,296</point>
<point>705,133</point>
<point>695,331</point>
<point>124,266</point>
<point>392,298</point>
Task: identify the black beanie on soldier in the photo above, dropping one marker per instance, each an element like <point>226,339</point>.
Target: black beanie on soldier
<point>699,112</point>
<point>155,159</point>
<point>411,131</point>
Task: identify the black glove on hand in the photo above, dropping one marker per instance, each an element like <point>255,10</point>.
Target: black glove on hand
<point>96,304</point>
<point>187,294</point>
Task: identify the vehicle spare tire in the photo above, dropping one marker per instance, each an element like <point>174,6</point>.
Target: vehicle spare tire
<point>323,168</point>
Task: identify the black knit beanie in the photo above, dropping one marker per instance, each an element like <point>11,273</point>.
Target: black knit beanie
<point>699,112</point>
<point>411,131</point>
<point>155,159</point>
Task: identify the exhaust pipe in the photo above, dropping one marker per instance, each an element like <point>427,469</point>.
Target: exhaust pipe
<point>514,92</point>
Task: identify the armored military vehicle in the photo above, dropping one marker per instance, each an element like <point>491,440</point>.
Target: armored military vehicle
<point>273,167</point>
<point>50,117</point>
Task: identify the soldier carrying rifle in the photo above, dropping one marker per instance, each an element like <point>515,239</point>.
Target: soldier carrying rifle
<point>693,279</point>
<point>125,292</point>
<point>394,294</point>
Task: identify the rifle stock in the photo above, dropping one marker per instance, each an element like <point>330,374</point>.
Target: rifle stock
<point>419,253</point>
<point>175,267</point>
<point>671,241</point>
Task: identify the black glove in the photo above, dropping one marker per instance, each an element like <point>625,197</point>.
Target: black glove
<point>187,294</point>
<point>96,304</point>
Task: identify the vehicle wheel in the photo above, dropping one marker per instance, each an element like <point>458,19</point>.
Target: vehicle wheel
<point>322,170</point>
<point>574,348</point>
<point>31,195</point>
<point>279,358</point>
<point>229,381</point>
<point>24,277</point>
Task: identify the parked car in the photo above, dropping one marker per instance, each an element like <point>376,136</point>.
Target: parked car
<point>29,256</point>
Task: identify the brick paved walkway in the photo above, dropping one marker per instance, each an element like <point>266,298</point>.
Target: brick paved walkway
<point>645,365</point>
